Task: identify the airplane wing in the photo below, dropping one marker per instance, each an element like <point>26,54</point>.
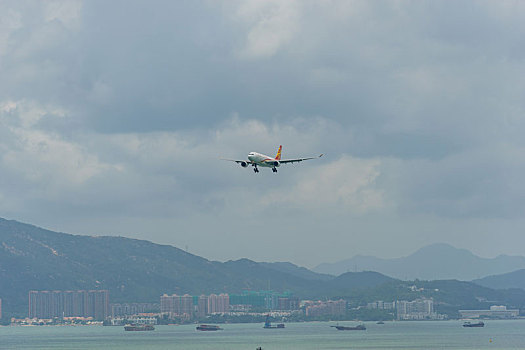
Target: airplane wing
<point>237,161</point>
<point>285,161</point>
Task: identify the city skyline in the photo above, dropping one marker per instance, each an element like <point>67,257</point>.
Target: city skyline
<point>108,127</point>
<point>70,303</point>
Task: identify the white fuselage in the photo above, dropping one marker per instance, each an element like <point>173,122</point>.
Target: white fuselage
<point>263,160</point>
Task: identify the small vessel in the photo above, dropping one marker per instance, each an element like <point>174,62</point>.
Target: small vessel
<point>208,327</point>
<point>477,324</point>
<point>268,324</point>
<point>139,327</point>
<point>360,327</point>
<point>380,322</point>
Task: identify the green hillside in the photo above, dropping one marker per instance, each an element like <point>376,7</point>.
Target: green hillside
<point>33,258</point>
<point>515,279</point>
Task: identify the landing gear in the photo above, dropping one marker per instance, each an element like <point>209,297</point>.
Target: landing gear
<point>274,169</point>
<point>255,170</point>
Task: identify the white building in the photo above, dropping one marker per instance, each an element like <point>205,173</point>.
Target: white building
<point>120,321</point>
<point>419,309</point>
<point>381,305</point>
<point>496,311</point>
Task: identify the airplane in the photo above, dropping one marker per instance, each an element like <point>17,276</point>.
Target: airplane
<point>257,159</point>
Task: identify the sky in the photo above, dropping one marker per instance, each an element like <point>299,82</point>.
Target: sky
<point>114,116</point>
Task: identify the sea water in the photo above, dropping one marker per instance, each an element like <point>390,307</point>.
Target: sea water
<point>296,336</point>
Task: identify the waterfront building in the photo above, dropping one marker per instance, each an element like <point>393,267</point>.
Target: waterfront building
<point>81,303</point>
<point>381,305</point>
<point>218,303</point>
<point>288,303</point>
<point>202,306</point>
<point>419,309</point>
<point>265,299</point>
<point>186,305</point>
<point>330,307</point>
<point>177,305</point>
<point>170,304</point>
<point>199,306</point>
<point>129,309</point>
<point>136,319</point>
<point>495,311</point>
<point>189,306</point>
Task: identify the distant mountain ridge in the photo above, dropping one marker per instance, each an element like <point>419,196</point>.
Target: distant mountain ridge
<point>515,279</point>
<point>32,258</point>
<point>433,262</point>
<point>297,271</point>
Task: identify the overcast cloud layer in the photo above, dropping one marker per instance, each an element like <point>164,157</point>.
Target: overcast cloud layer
<point>114,114</point>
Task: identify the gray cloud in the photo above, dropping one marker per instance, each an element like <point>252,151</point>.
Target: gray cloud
<point>113,116</point>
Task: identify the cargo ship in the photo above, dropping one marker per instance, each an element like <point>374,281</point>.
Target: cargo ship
<point>360,327</point>
<point>139,327</point>
<point>208,327</point>
<point>478,324</point>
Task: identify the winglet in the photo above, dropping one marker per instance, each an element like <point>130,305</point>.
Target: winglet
<point>320,155</point>
<point>278,156</point>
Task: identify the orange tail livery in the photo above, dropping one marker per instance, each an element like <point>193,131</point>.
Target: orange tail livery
<point>278,156</point>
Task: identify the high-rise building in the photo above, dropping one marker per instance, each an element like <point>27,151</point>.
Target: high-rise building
<point>266,299</point>
<point>415,310</point>
<point>202,306</point>
<point>0,308</point>
<point>189,306</point>
<point>81,303</point>
<point>288,303</point>
<point>177,305</point>
<point>170,304</point>
<point>330,307</point>
<point>186,305</point>
<point>212,303</point>
<point>218,303</point>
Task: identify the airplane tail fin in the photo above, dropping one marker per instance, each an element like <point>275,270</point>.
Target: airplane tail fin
<point>278,156</point>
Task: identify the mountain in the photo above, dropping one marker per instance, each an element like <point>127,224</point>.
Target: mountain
<point>515,279</point>
<point>433,262</point>
<point>32,258</point>
<point>297,271</point>
<point>350,282</point>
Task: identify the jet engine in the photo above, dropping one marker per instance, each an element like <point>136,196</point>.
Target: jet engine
<point>275,163</point>
<point>244,164</point>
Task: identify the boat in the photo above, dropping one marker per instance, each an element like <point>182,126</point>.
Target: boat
<point>360,327</point>
<point>268,324</point>
<point>139,327</point>
<point>380,322</point>
<point>208,327</point>
<point>470,324</point>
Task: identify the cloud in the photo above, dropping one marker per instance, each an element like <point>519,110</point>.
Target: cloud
<point>65,11</point>
<point>481,183</point>
<point>39,157</point>
<point>272,24</point>
<point>116,126</point>
<point>345,185</point>
<point>10,21</point>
